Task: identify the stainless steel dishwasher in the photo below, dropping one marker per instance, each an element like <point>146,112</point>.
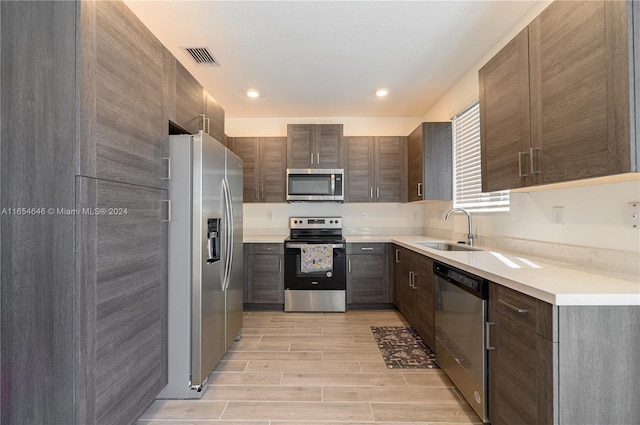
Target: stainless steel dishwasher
<point>461,313</point>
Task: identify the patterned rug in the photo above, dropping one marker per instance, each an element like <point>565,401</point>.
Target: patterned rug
<point>402,348</point>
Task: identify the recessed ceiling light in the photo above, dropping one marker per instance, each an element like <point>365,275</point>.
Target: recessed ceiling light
<point>253,93</point>
<point>382,92</point>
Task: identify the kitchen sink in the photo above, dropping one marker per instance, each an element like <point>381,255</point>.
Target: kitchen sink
<point>448,246</point>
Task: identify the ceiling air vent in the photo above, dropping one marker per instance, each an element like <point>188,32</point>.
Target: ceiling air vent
<point>202,56</point>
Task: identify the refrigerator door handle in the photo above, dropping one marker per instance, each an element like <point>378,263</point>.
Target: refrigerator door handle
<point>229,232</point>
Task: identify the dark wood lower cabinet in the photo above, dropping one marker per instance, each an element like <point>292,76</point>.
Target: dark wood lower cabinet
<point>368,274</point>
<point>414,286</point>
<point>521,361</point>
<point>264,274</point>
<point>121,300</point>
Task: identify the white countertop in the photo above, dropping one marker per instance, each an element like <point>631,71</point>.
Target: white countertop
<point>552,283</point>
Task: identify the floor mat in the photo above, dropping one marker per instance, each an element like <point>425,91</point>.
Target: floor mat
<point>402,348</point>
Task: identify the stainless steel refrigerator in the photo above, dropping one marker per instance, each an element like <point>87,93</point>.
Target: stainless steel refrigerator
<point>205,260</point>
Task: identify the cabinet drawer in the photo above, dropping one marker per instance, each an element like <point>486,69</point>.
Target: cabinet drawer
<point>265,248</point>
<point>366,248</point>
<point>525,310</point>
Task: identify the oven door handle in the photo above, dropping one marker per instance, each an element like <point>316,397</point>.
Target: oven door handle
<point>303,245</point>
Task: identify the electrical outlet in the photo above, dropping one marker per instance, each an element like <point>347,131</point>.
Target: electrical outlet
<point>363,216</point>
<point>269,215</point>
<point>633,214</point>
<point>557,215</point>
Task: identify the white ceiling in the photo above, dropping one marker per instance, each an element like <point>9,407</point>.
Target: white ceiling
<point>326,58</point>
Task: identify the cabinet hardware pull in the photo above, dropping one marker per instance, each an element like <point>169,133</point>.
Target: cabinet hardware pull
<point>513,307</point>
<point>279,266</point>
<point>397,253</point>
<point>168,203</point>
<point>262,192</point>
<point>371,192</point>
<point>367,248</point>
<point>487,338</point>
<point>349,266</point>
<point>311,158</point>
<point>411,279</point>
<point>378,192</point>
<point>203,120</point>
<point>520,173</point>
<point>257,198</point>
<point>168,177</point>
<point>419,189</point>
<point>208,125</point>
<point>531,160</point>
<point>414,281</point>
<point>317,159</point>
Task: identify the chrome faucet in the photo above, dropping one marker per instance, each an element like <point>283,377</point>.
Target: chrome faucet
<point>470,235</point>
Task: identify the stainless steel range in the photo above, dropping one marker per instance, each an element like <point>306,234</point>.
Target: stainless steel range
<point>315,265</point>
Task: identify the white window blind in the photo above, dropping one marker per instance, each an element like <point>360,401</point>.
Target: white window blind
<point>466,168</point>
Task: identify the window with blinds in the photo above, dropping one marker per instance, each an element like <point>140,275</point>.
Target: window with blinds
<point>467,185</point>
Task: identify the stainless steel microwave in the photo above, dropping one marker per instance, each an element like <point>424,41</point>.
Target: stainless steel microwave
<point>315,184</point>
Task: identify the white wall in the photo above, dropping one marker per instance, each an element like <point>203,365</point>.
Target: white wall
<point>381,219</point>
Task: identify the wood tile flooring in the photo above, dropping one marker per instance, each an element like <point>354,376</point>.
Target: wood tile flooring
<point>316,369</point>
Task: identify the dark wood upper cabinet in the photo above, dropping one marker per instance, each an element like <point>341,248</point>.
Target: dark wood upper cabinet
<point>504,117</point>
<point>248,149</point>
<point>189,100</point>
<point>375,168</point>
<point>572,63</point>
<point>429,159</point>
<point>314,146</point>
<point>121,96</point>
<point>264,167</point>
<point>213,117</point>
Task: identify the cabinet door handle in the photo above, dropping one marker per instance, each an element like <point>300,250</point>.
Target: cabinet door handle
<point>520,173</point>
<point>414,286</point>
<point>317,159</point>
<point>311,158</point>
<point>378,192</point>
<point>367,248</point>
<point>168,203</point>
<point>419,189</point>
<point>531,150</point>
<point>203,120</point>
<point>279,266</point>
<point>411,279</point>
<point>262,193</point>
<point>349,265</point>
<point>513,307</point>
<point>487,338</point>
<point>257,198</point>
<point>397,254</point>
<point>208,125</point>
<point>371,192</point>
<point>168,177</point>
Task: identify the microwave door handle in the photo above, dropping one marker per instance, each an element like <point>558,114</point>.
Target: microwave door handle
<point>333,185</point>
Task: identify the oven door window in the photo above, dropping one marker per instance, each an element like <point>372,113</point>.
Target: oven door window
<point>295,278</point>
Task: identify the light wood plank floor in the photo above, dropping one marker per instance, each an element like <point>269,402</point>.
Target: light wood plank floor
<point>316,369</point>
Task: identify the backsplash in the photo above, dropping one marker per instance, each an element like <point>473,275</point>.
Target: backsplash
<point>358,218</point>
